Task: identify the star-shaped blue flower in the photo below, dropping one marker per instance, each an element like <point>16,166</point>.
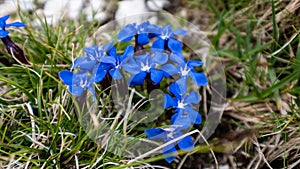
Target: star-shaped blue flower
<point>78,82</point>
<point>183,104</point>
<point>140,66</point>
<point>130,30</point>
<point>168,134</point>
<point>184,70</point>
<point>165,39</point>
<point>94,55</point>
<point>113,62</point>
<point>3,25</point>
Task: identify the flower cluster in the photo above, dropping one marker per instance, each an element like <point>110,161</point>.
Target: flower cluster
<point>163,59</point>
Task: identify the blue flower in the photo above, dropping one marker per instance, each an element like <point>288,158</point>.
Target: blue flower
<point>113,62</point>
<point>168,134</point>
<point>130,30</point>
<point>94,55</point>
<point>78,82</point>
<point>3,32</point>
<point>185,70</point>
<point>165,39</point>
<point>183,104</point>
<point>140,66</point>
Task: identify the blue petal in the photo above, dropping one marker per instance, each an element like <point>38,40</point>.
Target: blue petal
<point>127,33</point>
<point>167,31</point>
<point>194,63</point>
<point>3,33</point>
<point>4,18</point>
<point>156,75</point>
<point>144,58</point>
<point>84,63</point>
<point>16,24</point>
<point>182,85</point>
<point>100,75</point>
<point>132,67</point>
<point>169,101</point>
<point>129,51</point>
<point>158,44</point>
<point>66,76</point>
<point>180,120</point>
<point>169,152</point>
<point>186,143</point>
<point>107,46</point>
<point>112,51</point>
<point>76,90</point>
<point>137,79</point>
<point>178,59</point>
<point>116,74</point>
<point>174,45</point>
<point>169,70</point>
<point>155,133</point>
<point>143,39</point>
<point>109,60</point>
<point>160,58</point>
<point>194,116</point>
<point>174,89</point>
<point>193,98</point>
<point>153,29</point>
<point>180,32</point>
<point>199,78</point>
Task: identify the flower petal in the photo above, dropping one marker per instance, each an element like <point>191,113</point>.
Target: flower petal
<point>169,101</point>
<point>194,116</point>
<point>160,58</point>
<point>100,75</point>
<point>109,60</point>
<point>16,24</point>
<point>193,98</point>
<point>174,45</point>
<point>131,66</point>
<point>169,152</point>
<point>182,85</point>
<point>112,51</point>
<point>155,133</point>
<point>4,18</point>
<point>137,79</point>
<point>3,33</point>
<point>76,90</point>
<point>159,44</point>
<point>186,143</point>
<point>156,75</point>
<point>169,70</point>
<point>199,78</point>
<point>194,63</point>
<point>178,59</point>
<point>127,33</point>
<point>66,76</point>
<point>174,89</point>
<point>129,51</point>
<point>180,32</point>
<point>143,39</point>
<point>181,120</point>
<point>116,74</point>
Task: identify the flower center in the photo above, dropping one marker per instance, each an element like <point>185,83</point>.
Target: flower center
<point>145,67</point>
<point>184,71</point>
<point>181,105</point>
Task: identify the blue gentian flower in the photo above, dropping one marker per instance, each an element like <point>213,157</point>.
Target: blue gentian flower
<point>113,62</point>
<point>165,39</point>
<point>184,70</point>
<point>94,55</point>
<point>183,104</point>
<point>3,25</point>
<point>130,30</point>
<point>140,66</point>
<point>78,82</point>
<point>168,134</point>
